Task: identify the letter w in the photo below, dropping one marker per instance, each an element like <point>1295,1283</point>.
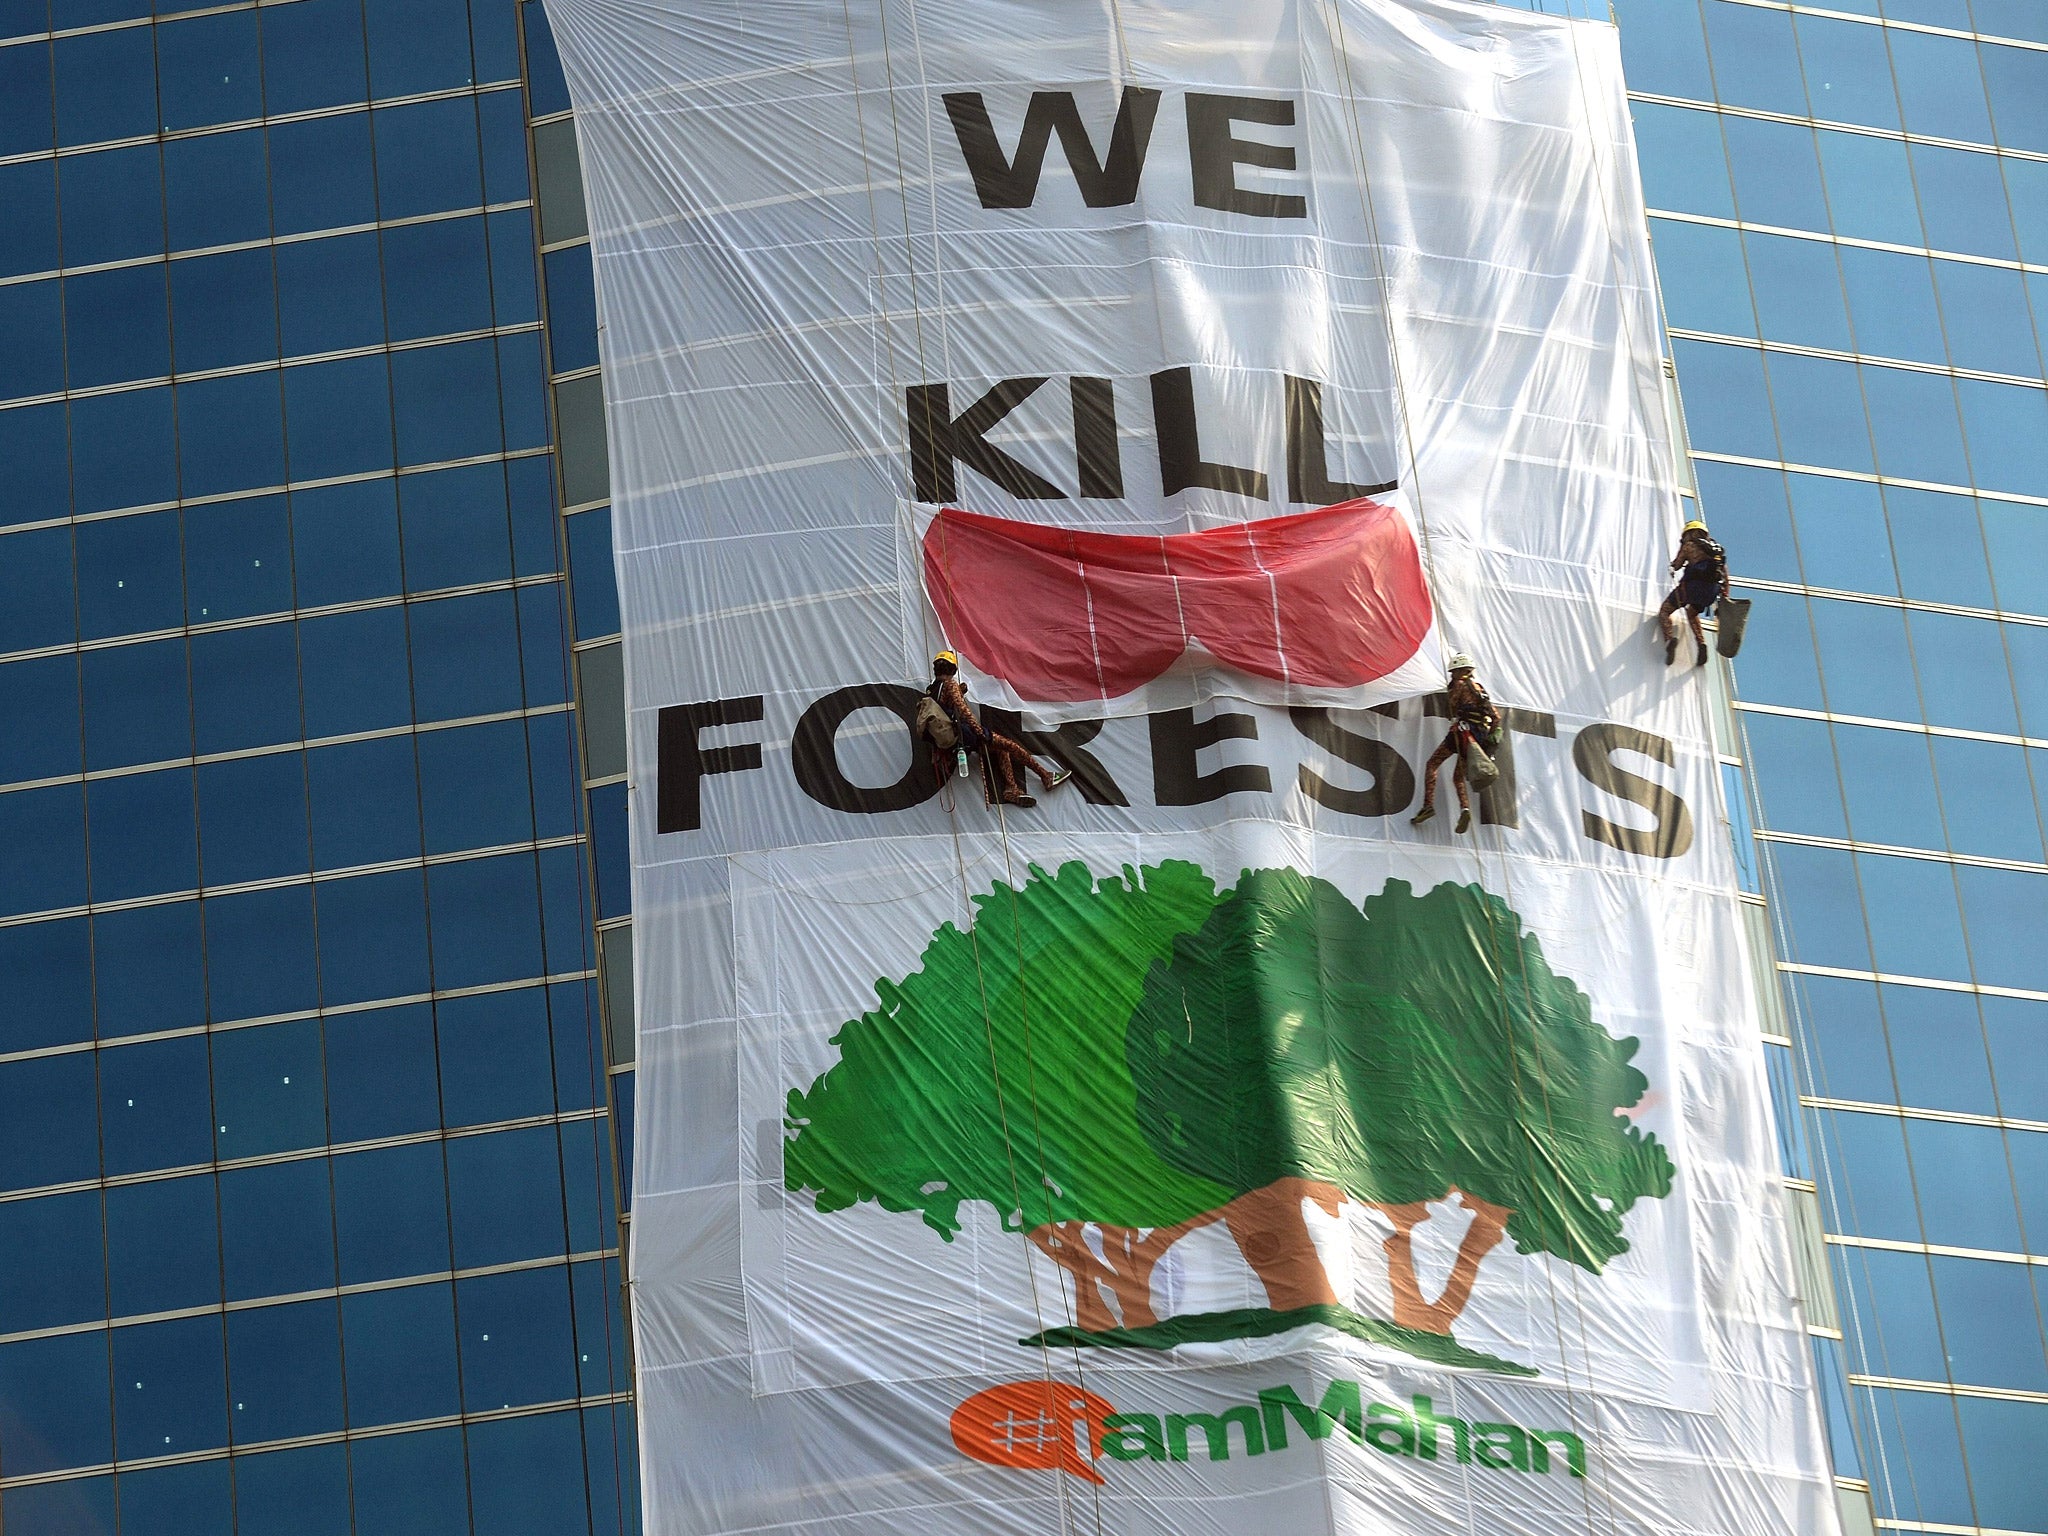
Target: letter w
<point>1106,183</point>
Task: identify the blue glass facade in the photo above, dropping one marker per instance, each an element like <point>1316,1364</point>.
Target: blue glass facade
<point>308,1192</point>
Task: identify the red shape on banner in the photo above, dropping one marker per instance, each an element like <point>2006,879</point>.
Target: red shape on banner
<point>1333,598</point>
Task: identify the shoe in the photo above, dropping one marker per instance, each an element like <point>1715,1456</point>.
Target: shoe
<point>1060,776</point>
<point>1464,821</point>
<point>1670,650</point>
<point>1700,660</point>
<point>1421,816</point>
<point>1022,802</point>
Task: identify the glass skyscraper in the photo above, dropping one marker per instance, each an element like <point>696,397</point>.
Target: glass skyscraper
<point>315,957</point>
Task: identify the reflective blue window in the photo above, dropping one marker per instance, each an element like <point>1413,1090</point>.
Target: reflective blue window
<point>245,687</point>
<point>345,542</point>
<point>501,116</point>
<point>284,1371</point>
<point>609,847</point>
<point>1894,1308</point>
<point>544,647</point>
<point>523,385</point>
<point>391,1213</point>
<point>447,402</point>
<point>355,671</point>
<point>527,1474</point>
<point>1847,72</point>
<point>41,697</point>
<point>330,295</point>
<point>496,1063</point>
<point>175,1501</point>
<point>1842,1037</point>
<point>313,56</point>
<point>1819,907</point>
<point>113,204</point>
<point>215,187</point>
<point>230,434</point>
<point>465,656</point>
<point>1727,410</point>
<point>238,559</point>
<point>2008,432</point>
<point>427,158</point>
<point>322,172</point>
<point>1987,798</point>
<point>31,339</point>
<point>170,1387</point>
<point>119,326</point>
<point>1965,1185</point>
<point>2006,909</point>
<point>1988,1317</point>
<point>223,310</point>
<point>1756,63</point>
<point>373,937</point>
<point>163,1245</point>
<point>614,1465</point>
<point>417,45</point>
<point>1777,174</point>
<point>123,450</point>
<point>57,1278</point>
<point>1940,86</point>
<point>586,1163</point>
<point>572,308</point>
<point>507,1198</point>
<point>1915,928</point>
<point>1870,188</point>
<point>54,1393</point>
<point>365,800</point>
<point>600,1327</point>
<point>2027,181</point>
<point>551,749</point>
<point>1684,162</point>
<point>252,818</point>
<point>277,1229</point>
<point>1819,412</point>
<point>1940,554</point>
<point>207,71</point>
<point>338,417</point>
<point>154,1105</point>
<point>1798,291</point>
<point>2018,1033</point>
<point>1962,200</point>
<point>1795,762</point>
<point>579,1050</point>
<point>517,1342</point>
<point>381,1074</point>
<point>88,13</point>
<point>486,921</point>
<point>475,789</point>
<point>2003,1439</point>
<point>400,1347</point>
<point>411,1484</point>
<point>1967,656</point>
<point>1913,419</point>
<point>24,96</point>
<point>267,1089</point>
<point>456,528</point>
<point>44,832</point>
<point>1663,49</point>
<point>260,953</point>
<point>1867,1188</point>
<point>48,972</point>
<point>128,577</point>
<point>28,217</point>
<point>514,297</point>
<point>1891,795</point>
<point>136,710</point>
<point>494,38</point>
<point>146,969</point>
<point>550,93</point>
<point>32,443</point>
<point>439,278</point>
<point>1980,305</point>
<point>1866,660</point>
<point>2019,95</point>
<point>106,86</point>
<point>293,1493</point>
<point>143,835</point>
<point>1843,539</point>
<point>565,905</point>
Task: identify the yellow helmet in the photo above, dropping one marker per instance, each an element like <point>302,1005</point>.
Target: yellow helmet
<point>948,658</point>
<point>1695,526</point>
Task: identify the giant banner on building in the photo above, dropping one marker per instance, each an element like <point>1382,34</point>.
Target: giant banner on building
<point>1208,1147</point>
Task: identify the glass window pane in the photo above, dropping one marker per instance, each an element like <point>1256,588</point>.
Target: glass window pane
<point>2003,1440</point>
<point>1940,85</point>
<point>2008,912</point>
<point>147,972</point>
<point>1992,1329</point>
<point>1841,1035</point>
<point>1842,534</point>
<point>2018,86</point>
<point>1896,1332</point>
<point>411,1484</point>
<point>207,71</point>
<point>365,802</point>
<point>486,921</point>
<point>572,308</point>
<point>42,697</point>
<point>144,839</point>
<point>1706,287</point>
<point>28,217</point>
<point>32,442</point>
<point>446,399</point>
<point>355,672</point>
<point>456,527</point>
<point>1965,1185</point>
<point>124,453</point>
<point>1987,798</point>
<point>338,417</point>
<point>230,434</point>
<point>106,86</point>
<point>330,295</point>
<point>1937,1044</point>
<point>1777,174</point>
<point>1889,782</point>
<point>1915,929</point>
<point>514,298</point>
<point>400,1347</point>
<point>438,277</point>
<point>1962,201</point>
<point>549,92</point>
<point>1980,306</point>
<point>277,1229</point>
<point>1818,906</point>
<point>163,1245</point>
<point>1847,72</point>
<point>475,791</point>
<point>238,559</point>
<point>381,1074</point>
<point>1940,551</point>
<point>47,970</point>
<point>417,45</point>
<point>1866,660</point>
<point>267,1089</point>
<point>527,1474</point>
<point>31,339</point>
<point>2018,1032</point>
<point>1870,188</point>
<point>1966,655</point>
<point>260,953</point>
<point>113,204</point>
<point>154,1105</point>
<point>216,188</point>
<point>1798,291</point>
<point>561,210</point>
<point>44,832</point>
<point>1795,769</point>
<point>465,656</point>
<point>373,938</point>
<point>293,1493</point>
<point>136,710</point>
<point>501,120</point>
<point>517,1345</point>
<point>507,1198</point>
<point>24,97</point>
<point>1913,417</point>
<point>54,1392</point>
<point>495,1058</point>
<point>1784,671</point>
<point>57,1278</point>
<point>119,326</point>
<point>322,173</point>
<point>170,1387</point>
<point>245,687</point>
<point>427,158</point>
<point>128,577</point>
<point>313,56</point>
<point>223,309</point>
<point>1868,1187</point>
<point>391,1213</point>
<point>345,542</point>
<point>1756,62</point>
<point>175,1501</point>
<point>1727,407</point>
<point>1663,49</point>
<point>2008,433</point>
<point>523,392</point>
<point>1819,411</point>
<point>252,818</point>
<point>608,841</point>
<point>284,1371</point>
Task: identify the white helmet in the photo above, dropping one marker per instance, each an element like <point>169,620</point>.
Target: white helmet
<point>1459,662</point>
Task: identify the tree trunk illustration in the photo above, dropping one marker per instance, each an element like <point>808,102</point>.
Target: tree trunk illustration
<point>1125,1267</point>
<point>1410,1310</point>
<point>1272,1234</point>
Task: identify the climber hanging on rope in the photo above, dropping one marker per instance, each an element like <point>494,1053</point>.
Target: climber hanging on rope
<point>1475,727</point>
<point>954,728</point>
<point>1702,584</point>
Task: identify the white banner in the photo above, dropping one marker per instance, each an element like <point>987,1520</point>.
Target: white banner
<point>1206,1147</point>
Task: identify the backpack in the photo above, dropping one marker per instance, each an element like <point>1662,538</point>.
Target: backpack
<point>933,724</point>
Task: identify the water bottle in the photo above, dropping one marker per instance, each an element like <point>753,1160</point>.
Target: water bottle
<point>960,761</point>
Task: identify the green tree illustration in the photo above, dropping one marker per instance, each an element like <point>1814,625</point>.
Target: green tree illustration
<point>995,1073</point>
<point>1299,1049</point>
